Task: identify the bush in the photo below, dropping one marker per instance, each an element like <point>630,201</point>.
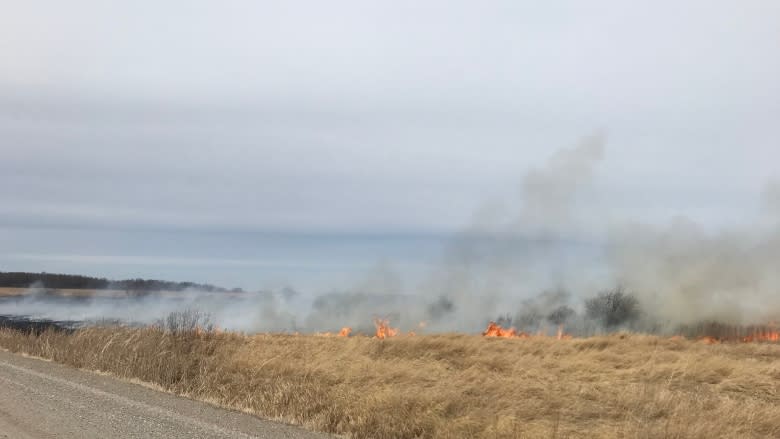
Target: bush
<point>560,315</point>
<point>189,320</point>
<point>613,308</point>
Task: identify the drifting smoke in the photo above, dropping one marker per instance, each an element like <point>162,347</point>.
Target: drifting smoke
<point>771,198</point>
<point>684,273</point>
<point>503,258</point>
<point>613,308</point>
<point>535,313</point>
<point>263,311</point>
<point>674,274</point>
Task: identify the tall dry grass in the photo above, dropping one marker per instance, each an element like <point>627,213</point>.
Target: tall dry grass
<point>449,386</point>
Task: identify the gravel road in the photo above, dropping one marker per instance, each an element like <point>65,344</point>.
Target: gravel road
<point>40,399</point>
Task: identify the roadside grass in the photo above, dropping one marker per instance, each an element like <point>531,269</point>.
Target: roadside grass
<point>447,386</point>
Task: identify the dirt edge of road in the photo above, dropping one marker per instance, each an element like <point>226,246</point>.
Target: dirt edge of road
<point>17,429</point>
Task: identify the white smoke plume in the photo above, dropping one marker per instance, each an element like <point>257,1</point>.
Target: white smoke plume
<point>501,260</point>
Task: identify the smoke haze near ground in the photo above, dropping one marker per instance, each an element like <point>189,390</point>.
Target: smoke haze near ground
<point>522,261</point>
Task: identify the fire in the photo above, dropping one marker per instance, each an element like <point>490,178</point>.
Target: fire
<point>383,329</point>
<point>344,332</point>
<point>495,330</point>
<point>714,333</point>
<point>766,335</point>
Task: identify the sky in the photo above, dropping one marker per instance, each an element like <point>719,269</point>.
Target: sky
<point>251,143</point>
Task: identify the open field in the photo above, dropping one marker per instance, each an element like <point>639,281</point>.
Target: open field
<point>448,386</point>
<point>10,291</point>
<point>67,292</point>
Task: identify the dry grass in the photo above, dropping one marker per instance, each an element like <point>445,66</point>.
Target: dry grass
<point>449,386</point>
<point>9,291</point>
<point>65,292</point>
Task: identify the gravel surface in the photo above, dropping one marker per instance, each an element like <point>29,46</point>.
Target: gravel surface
<point>40,399</point>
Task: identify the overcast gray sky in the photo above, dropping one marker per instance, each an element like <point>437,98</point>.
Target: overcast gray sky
<point>373,116</point>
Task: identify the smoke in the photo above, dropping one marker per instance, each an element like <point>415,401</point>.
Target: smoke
<point>674,273</point>
<point>684,273</point>
<point>535,313</point>
<point>507,256</point>
<point>613,308</point>
<point>771,199</point>
<point>252,312</point>
<point>549,193</point>
<point>538,262</point>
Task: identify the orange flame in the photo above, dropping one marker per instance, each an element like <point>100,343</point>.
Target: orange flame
<point>495,330</point>
<point>345,331</point>
<point>766,336</point>
<point>383,329</point>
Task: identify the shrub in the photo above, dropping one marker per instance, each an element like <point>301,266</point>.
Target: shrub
<point>560,315</point>
<point>613,307</point>
<point>189,320</point>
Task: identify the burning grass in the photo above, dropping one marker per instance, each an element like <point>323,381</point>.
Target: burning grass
<point>448,386</point>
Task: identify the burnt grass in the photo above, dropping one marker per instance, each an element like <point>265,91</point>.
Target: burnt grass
<point>36,327</point>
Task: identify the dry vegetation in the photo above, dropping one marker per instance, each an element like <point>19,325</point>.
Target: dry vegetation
<point>65,292</point>
<point>10,291</point>
<point>449,386</point>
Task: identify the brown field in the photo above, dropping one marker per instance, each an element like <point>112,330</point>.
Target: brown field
<point>9,291</point>
<point>449,386</point>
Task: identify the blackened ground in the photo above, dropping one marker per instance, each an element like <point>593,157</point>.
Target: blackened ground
<point>36,326</point>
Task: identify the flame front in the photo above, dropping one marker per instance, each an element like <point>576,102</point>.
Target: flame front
<point>495,330</point>
<point>383,329</point>
<point>772,336</point>
<point>769,333</point>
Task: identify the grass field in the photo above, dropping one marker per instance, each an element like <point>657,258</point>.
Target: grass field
<point>8,291</point>
<point>449,386</point>
<point>11,291</point>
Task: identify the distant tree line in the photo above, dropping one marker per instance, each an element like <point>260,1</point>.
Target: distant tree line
<point>71,281</point>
